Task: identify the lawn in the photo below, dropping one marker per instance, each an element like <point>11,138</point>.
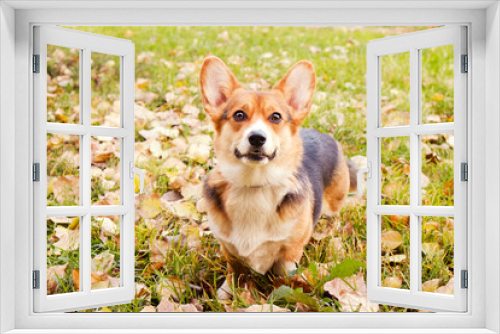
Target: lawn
<point>178,262</point>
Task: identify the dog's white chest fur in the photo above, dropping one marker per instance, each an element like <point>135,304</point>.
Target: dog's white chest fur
<point>254,218</point>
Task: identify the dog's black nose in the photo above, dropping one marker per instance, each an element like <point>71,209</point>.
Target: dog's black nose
<point>257,138</point>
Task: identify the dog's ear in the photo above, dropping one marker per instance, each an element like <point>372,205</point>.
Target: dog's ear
<point>217,84</point>
<point>298,88</point>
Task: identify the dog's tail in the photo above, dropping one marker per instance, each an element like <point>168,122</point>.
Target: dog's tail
<point>353,175</point>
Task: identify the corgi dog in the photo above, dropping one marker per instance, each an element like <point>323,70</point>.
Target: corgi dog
<point>272,180</point>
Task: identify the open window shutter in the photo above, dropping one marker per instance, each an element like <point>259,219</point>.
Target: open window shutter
<point>71,271</point>
<point>443,221</point>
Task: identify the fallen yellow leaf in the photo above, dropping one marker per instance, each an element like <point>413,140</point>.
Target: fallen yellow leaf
<point>391,240</point>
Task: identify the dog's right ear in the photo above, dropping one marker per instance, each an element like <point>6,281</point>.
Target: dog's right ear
<point>217,84</point>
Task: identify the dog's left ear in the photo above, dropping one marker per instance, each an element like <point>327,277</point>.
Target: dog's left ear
<point>298,88</point>
<point>217,84</point>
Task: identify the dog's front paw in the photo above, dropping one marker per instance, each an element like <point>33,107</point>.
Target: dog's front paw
<point>224,291</point>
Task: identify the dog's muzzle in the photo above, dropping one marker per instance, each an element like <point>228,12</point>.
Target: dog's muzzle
<point>255,155</point>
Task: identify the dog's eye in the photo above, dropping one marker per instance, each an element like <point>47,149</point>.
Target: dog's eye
<point>275,117</point>
<point>239,116</point>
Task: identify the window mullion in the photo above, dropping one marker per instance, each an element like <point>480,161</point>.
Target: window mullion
<point>85,179</point>
<point>414,171</point>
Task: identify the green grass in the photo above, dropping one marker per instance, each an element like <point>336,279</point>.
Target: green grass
<point>168,60</point>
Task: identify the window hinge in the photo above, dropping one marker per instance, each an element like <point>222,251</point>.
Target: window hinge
<point>36,279</point>
<point>36,172</point>
<point>464,167</point>
<point>465,64</point>
<point>464,279</point>
<point>36,63</point>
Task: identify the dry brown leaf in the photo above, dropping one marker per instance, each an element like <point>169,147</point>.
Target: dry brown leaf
<point>171,287</point>
<point>430,249</point>
<point>351,300</point>
<point>103,262</point>
<point>393,282</point>
<point>395,258</point>
<point>359,160</point>
<point>201,206</point>
<point>346,231</point>
<point>190,110</point>
<point>199,153</point>
<point>335,249</point>
<point>431,226</point>
<point>193,192</point>
<point>64,187</point>
<point>150,206</point>
<point>76,279</point>
<point>101,157</point>
<point>142,83</point>
<point>424,180</point>
<point>391,240</point>
<point>148,309</point>
<point>171,196</point>
<point>66,240</point>
<point>192,235</point>
<point>142,291</point>
<point>177,182</point>
<point>53,275</point>
<point>395,219</point>
<point>266,308</point>
<point>168,306</point>
<point>430,286</point>
<point>448,188</point>
<point>185,210</point>
<point>107,228</point>
<point>174,163</point>
<point>449,288</point>
<point>159,249</point>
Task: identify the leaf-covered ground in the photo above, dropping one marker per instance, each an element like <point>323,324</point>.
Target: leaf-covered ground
<point>178,262</point>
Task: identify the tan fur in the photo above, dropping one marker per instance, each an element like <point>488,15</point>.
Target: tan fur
<point>261,212</point>
<point>336,192</point>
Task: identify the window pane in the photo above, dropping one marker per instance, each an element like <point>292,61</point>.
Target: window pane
<point>437,84</point>
<point>437,169</point>
<point>63,255</point>
<point>105,170</point>
<point>395,89</point>
<point>105,252</point>
<point>395,170</point>
<point>63,170</point>
<point>63,85</point>
<point>395,247</point>
<point>437,254</point>
<point>105,101</point>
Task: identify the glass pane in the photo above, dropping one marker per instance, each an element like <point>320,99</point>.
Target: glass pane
<point>437,254</point>
<point>437,169</point>
<point>63,170</point>
<point>63,255</point>
<point>105,252</point>
<point>437,84</point>
<point>395,170</point>
<point>105,100</point>
<point>395,89</point>
<point>63,85</point>
<point>105,170</point>
<point>395,248</point>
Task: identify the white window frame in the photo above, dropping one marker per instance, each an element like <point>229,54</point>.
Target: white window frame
<point>413,43</point>
<point>483,21</point>
<point>86,43</point>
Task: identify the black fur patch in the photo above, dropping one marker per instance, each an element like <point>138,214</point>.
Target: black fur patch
<point>320,159</point>
<point>212,194</point>
<point>295,197</point>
